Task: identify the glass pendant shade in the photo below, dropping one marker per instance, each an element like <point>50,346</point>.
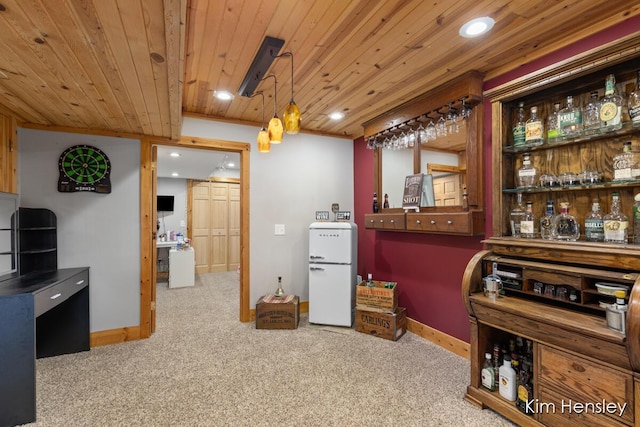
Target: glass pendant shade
<point>292,118</point>
<point>275,130</point>
<point>264,145</point>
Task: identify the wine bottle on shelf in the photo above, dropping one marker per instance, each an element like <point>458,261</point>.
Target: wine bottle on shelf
<point>516,215</point>
<point>376,208</point>
<point>534,133</point>
<point>546,222</point>
<point>611,106</point>
<point>519,128</point>
<point>594,224</point>
<point>634,102</point>
<point>385,205</point>
<point>616,224</point>
<point>528,224</point>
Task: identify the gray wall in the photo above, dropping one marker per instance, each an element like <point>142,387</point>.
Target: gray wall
<point>101,231</point>
<point>176,187</point>
<point>304,174</point>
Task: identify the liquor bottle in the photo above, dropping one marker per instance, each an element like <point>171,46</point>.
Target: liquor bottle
<point>497,361</point>
<point>591,120</point>
<point>376,208</point>
<point>625,164</point>
<point>570,119</point>
<point>516,215</point>
<point>546,222</point>
<point>565,224</point>
<point>634,102</point>
<point>553,131</point>
<point>386,201</point>
<point>279,291</point>
<point>369,281</point>
<point>507,385</point>
<point>488,374</point>
<point>594,224</point>
<point>524,390</point>
<point>528,223</point>
<point>534,133</point>
<point>526,173</point>
<point>616,224</point>
<point>519,129</point>
<point>611,106</point>
<point>636,219</point>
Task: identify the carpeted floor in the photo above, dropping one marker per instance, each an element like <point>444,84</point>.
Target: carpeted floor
<point>203,367</point>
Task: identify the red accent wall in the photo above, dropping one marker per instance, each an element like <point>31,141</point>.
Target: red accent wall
<point>429,268</point>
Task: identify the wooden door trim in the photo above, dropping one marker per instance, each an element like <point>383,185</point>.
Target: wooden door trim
<point>147,223</point>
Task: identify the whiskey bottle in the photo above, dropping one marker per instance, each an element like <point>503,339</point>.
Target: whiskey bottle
<point>594,224</point>
<point>516,215</point>
<point>616,224</point>
<point>385,204</point>
<point>634,102</point>
<point>526,173</point>
<point>488,374</point>
<point>611,106</point>
<point>570,120</point>
<point>636,219</point>
<point>546,222</point>
<point>565,224</point>
<point>625,164</point>
<point>553,131</point>
<point>534,134</point>
<point>519,129</point>
<point>591,118</point>
<point>528,223</point>
<point>376,208</point>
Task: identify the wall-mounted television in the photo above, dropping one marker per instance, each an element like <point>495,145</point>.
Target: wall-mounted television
<point>164,204</point>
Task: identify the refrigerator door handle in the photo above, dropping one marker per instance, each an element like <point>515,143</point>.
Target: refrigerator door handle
<point>316,257</point>
<point>316,268</point>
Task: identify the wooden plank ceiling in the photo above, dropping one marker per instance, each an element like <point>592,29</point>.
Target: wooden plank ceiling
<point>134,66</point>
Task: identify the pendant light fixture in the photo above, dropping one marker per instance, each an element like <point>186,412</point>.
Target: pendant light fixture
<point>264,145</point>
<point>275,124</point>
<point>291,114</point>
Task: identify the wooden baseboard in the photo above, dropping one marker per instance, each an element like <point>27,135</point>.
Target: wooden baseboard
<point>114,336</point>
<point>454,345</point>
<point>445,341</point>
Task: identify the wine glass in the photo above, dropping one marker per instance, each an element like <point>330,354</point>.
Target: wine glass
<point>452,119</point>
<point>465,112</point>
<point>441,126</point>
<point>422,134</point>
<point>431,130</point>
<point>411,138</point>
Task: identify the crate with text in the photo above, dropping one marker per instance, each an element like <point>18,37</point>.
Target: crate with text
<point>390,326</point>
<point>277,312</point>
<point>381,297</point>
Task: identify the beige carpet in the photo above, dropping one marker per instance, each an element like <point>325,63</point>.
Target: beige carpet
<point>203,367</point>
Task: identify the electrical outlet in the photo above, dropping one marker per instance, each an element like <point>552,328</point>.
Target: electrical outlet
<point>279,230</point>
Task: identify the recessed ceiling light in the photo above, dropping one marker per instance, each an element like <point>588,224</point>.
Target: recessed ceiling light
<point>175,174</point>
<point>223,95</point>
<point>174,154</point>
<point>477,27</point>
<point>231,164</point>
<point>336,115</point>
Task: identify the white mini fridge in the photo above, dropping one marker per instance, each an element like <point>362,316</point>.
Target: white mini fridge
<point>333,259</point>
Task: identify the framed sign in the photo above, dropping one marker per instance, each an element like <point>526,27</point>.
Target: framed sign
<point>322,215</point>
<point>412,194</point>
<point>343,216</point>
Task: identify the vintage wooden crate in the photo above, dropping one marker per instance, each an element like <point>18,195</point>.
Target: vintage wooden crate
<point>390,326</point>
<point>277,312</point>
<point>378,297</point>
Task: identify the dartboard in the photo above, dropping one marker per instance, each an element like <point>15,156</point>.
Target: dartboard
<point>84,168</point>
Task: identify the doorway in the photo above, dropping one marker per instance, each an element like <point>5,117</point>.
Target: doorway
<point>148,221</point>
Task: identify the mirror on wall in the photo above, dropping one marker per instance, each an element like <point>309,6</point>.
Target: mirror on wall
<point>447,127</point>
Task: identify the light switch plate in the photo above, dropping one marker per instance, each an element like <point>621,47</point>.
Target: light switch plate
<point>279,230</point>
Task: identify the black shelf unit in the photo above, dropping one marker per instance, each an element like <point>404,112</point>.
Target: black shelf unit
<point>37,240</point>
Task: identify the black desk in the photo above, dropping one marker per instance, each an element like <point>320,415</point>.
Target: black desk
<point>42,314</point>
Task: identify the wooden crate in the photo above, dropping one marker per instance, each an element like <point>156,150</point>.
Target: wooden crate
<point>377,297</point>
<point>390,326</point>
<point>277,312</point>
